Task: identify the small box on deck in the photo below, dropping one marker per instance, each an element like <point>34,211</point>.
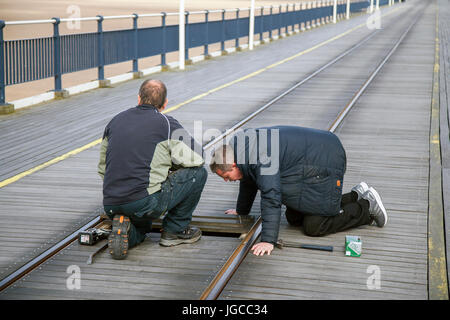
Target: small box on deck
<point>353,246</point>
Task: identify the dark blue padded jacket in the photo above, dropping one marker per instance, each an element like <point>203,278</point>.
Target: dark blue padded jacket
<point>302,168</point>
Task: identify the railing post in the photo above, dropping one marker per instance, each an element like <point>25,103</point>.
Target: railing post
<point>347,14</point>
<point>101,72</point>
<point>59,92</point>
<point>186,37</point>
<point>313,19</point>
<point>279,20</point>
<point>319,20</point>
<point>2,65</point>
<point>163,53</point>
<point>4,107</point>
<point>181,35</point>
<point>136,73</point>
<point>262,25</point>
<point>205,51</point>
<point>286,27</point>
<point>102,82</point>
<point>294,21</point>
<point>335,11</point>
<point>309,22</point>
<point>302,25</point>
<point>222,43</point>
<point>271,23</point>
<point>237,29</point>
<point>251,25</point>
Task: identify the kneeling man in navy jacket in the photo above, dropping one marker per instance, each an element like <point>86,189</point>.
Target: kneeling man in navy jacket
<point>301,168</point>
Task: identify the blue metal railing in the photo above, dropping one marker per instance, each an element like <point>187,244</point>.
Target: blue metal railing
<point>34,59</point>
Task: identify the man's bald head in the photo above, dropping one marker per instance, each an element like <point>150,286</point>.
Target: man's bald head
<point>153,92</point>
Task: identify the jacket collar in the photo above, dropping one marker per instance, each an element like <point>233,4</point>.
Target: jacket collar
<point>244,170</point>
<point>146,107</point>
<point>243,167</point>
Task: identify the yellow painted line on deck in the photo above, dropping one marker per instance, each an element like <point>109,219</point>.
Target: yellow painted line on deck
<point>48,163</point>
<point>198,97</point>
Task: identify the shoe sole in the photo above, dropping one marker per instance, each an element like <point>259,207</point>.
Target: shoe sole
<point>380,204</point>
<point>171,243</point>
<point>118,239</point>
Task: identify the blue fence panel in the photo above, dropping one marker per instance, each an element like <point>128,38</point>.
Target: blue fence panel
<point>290,18</point>
<point>150,41</point>
<point>28,60</point>
<point>359,6</point>
<point>341,8</point>
<point>118,46</point>
<point>79,52</point>
<point>267,22</point>
<point>327,11</point>
<point>244,26</point>
<point>172,38</point>
<point>214,31</point>
<point>315,13</point>
<point>197,34</point>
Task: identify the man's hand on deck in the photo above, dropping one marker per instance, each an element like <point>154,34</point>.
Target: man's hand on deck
<point>231,211</point>
<point>261,248</point>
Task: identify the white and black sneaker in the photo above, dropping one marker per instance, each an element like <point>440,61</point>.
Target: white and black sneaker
<point>360,189</point>
<point>376,208</point>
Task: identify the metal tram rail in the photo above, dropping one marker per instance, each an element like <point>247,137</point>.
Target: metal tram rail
<point>215,287</point>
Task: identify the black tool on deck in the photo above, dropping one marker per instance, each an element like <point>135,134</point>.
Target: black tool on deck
<point>283,244</point>
<point>91,256</point>
<point>92,235</point>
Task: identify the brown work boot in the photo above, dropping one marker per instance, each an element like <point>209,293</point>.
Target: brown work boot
<point>188,235</point>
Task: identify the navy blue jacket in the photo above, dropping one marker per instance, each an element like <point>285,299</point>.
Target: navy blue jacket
<point>301,168</point>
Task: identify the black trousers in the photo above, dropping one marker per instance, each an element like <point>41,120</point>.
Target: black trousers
<point>354,213</point>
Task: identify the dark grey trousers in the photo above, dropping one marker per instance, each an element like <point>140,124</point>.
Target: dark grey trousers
<point>179,196</point>
<point>354,213</point>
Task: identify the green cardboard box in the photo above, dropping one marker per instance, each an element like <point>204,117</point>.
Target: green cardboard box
<point>353,246</point>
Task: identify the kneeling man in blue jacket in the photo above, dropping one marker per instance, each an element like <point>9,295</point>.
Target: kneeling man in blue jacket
<point>301,168</point>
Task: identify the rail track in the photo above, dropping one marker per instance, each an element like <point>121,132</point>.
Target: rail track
<point>215,287</point>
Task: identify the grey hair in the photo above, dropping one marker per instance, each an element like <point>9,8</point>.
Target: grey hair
<point>222,158</point>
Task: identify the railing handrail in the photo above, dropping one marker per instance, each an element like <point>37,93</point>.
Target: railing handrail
<point>128,16</point>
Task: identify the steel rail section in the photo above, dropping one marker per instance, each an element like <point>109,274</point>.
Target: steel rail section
<point>222,277</point>
<point>36,262</point>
